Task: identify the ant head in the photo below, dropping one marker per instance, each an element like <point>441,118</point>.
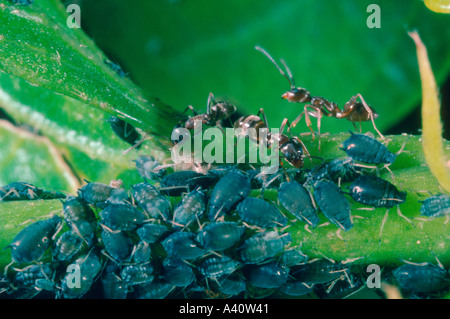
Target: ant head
<point>299,95</point>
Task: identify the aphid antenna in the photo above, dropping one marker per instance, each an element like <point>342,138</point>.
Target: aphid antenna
<point>271,59</point>
<point>58,229</point>
<point>106,228</point>
<point>105,253</point>
<point>354,292</point>
<point>138,143</point>
<point>212,252</point>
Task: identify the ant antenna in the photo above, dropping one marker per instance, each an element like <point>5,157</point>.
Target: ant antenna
<point>289,76</point>
<point>288,72</point>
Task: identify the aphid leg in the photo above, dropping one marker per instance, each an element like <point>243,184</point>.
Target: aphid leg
<point>369,111</point>
<point>338,234</point>
<point>307,228</point>
<point>106,228</point>
<point>383,222</point>
<point>331,286</point>
<point>401,150</point>
<point>403,216</point>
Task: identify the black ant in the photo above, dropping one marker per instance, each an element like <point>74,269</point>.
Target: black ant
<point>215,112</point>
<point>353,111</point>
<point>292,148</point>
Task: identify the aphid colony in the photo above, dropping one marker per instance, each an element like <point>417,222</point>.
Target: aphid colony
<point>216,241</point>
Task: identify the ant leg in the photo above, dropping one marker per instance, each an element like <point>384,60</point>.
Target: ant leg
<point>370,114</point>
<point>308,121</point>
<point>282,126</point>
<point>261,111</point>
<point>208,104</point>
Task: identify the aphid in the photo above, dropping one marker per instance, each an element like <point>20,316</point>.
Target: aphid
<point>125,131</point>
<point>118,196</point>
<point>214,267</point>
<point>150,199</point>
<point>90,266</point>
<point>377,192</point>
<point>117,244</point>
<point>80,218</point>
<point>148,168</point>
<point>190,209</point>
<point>421,278</point>
<point>366,149</point>
<point>182,245</point>
<point>142,252</point>
<point>155,290</point>
<point>263,246</point>
<point>436,206</point>
<point>293,257</point>
<point>296,199</point>
<point>261,213</point>
<point>137,274</point>
<point>333,204</point>
<point>66,247</point>
<point>185,181</point>
<point>115,67</point>
<point>113,286</point>
<point>215,113</point>
<point>353,111</point>
<point>271,275</point>
<point>26,191</point>
<point>231,285</point>
<point>295,288</point>
<point>177,272</point>
<point>319,271</point>
<point>340,288</point>
<point>95,193</point>
<point>219,236</point>
<point>151,233</point>
<point>32,241</point>
<point>121,217</point>
<point>338,170</point>
<point>29,275</point>
<point>227,192</point>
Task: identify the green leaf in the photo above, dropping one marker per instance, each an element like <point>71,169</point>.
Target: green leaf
<point>34,159</point>
<point>37,45</point>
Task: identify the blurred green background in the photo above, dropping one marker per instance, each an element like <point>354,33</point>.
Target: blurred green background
<point>181,50</point>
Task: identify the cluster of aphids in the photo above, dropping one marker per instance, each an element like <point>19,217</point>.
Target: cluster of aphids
<point>216,241</point>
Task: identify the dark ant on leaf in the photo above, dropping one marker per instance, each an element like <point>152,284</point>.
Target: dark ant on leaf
<point>353,111</point>
<point>215,113</point>
<point>292,148</point>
